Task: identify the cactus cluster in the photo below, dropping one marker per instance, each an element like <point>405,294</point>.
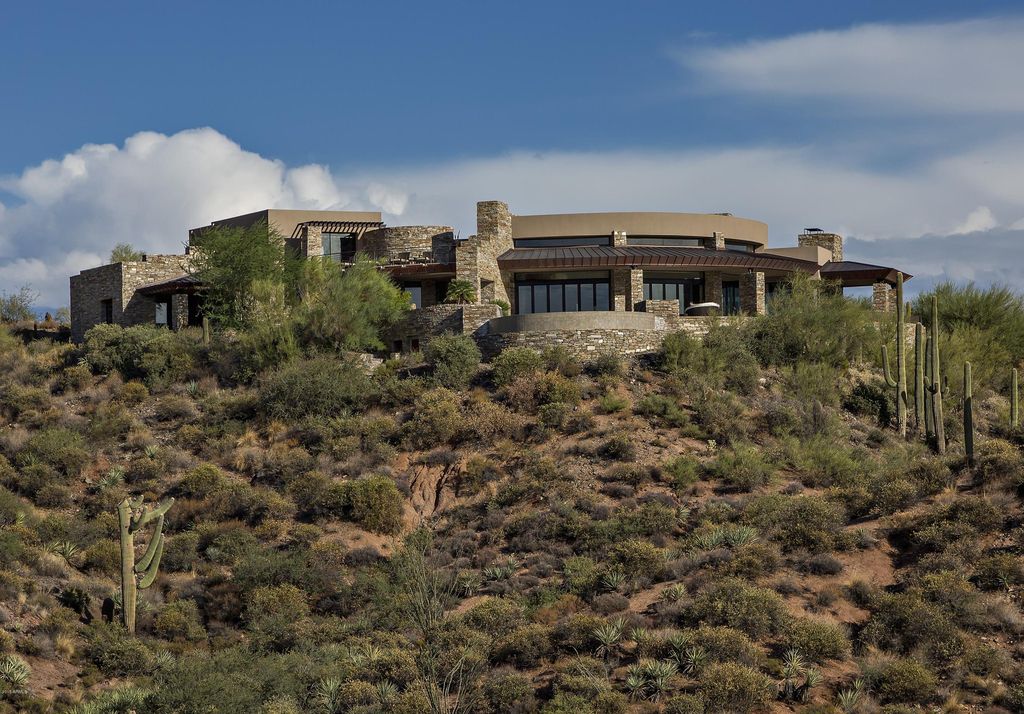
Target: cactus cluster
<point>206,331</point>
<point>899,381</point>
<point>132,515</point>
<point>1014,401</point>
<point>933,382</point>
<point>968,414</point>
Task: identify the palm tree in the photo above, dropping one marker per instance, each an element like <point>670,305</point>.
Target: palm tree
<point>460,292</point>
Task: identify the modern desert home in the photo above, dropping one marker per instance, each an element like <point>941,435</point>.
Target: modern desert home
<point>589,281</point>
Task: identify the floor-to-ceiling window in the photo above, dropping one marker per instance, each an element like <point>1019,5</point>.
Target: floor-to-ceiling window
<point>730,297</point>
<point>562,292</point>
<point>339,246</point>
<point>687,288</point>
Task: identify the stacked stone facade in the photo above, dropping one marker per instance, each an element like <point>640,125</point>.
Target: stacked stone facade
<point>752,293</point>
<point>476,259</point>
<point>832,242</point>
<point>883,297</point>
<point>419,242</point>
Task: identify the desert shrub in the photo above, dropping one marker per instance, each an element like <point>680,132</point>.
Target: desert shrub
<point>180,552</point>
<point>317,386</point>
<point>817,641</point>
<point>1000,461</point>
<point>524,646</point>
<point>375,503</point>
<point>454,360</point>
<point>111,421</point>
<point>495,616</point>
<point>905,623</point>
<point>728,347</point>
<point>903,680</point>
<point>809,522</point>
<point>179,621</point>
<point>684,704</point>
<point>725,644</point>
<point>73,379</point>
<point>608,365</point>
<point>611,402</point>
<point>741,467</point>
<point>155,355</point>
<point>999,571</point>
<point>620,448</point>
<point>117,653</point>
<point>871,399</point>
<point>276,617</point>
<point>58,447</point>
<point>722,416</point>
<point>728,687</point>
<point>809,382</point>
<point>514,363</point>
<point>173,407</point>
<point>681,472</point>
<point>507,691</point>
<point>436,419</point>
<point>103,557</point>
<point>609,603</point>
<point>962,520</point>
<point>758,612</point>
<point>663,411</point>
<point>558,359</point>
<point>201,481</point>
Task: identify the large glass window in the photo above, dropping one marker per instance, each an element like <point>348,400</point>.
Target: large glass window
<point>562,292</point>
<point>672,241</point>
<point>739,246</point>
<point>730,297</point>
<point>415,291</point>
<point>687,288</point>
<point>339,246</point>
<point>163,311</point>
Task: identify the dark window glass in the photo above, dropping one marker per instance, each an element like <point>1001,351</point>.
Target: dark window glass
<point>415,291</point>
<point>731,297</point>
<point>572,297</point>
<point>601,296</point>
<point>524,303</point>
<point>739,247</point>
<point>107,311</point>
<point>555,297</point>
<point>339,246</point>
<point>676,241</point>
<point>647,291</point>
<point>540,298</point>
<point>687,288</point>
<point>587,296</point>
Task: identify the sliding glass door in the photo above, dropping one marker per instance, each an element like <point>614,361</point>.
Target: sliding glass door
<point>562,292</point>
<point>687,288</point>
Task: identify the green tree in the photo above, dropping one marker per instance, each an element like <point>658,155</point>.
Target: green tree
<point>460,292</point>
<point>123,253</point>
<point>348,308</point>
<point>230,259</point>
<point>17,307</point>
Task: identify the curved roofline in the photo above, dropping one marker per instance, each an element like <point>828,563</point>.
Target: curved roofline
<point>654,223</point>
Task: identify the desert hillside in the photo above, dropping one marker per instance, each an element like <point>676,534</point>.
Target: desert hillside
<point>734,524</point>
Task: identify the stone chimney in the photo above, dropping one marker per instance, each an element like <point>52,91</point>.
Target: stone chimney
<point>815,237</point>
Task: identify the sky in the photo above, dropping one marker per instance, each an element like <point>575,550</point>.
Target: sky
<point>895,124</point>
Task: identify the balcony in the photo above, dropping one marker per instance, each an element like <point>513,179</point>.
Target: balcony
<point>443,255</point>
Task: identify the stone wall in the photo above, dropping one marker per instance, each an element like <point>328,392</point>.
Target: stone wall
<point>832,242</point>
<point>752,292</point>
<point>476,258</point>
<point>140,309</point>
<point>423,324</point>
<point>88,291</point>
<point>582,344</point>
<point>438,241</point>
<point>883,297</point>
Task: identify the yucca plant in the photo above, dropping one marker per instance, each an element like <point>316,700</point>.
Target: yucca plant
<point>14,672</point>
<point>327,695</point>
<point>151,451</point>
<point>613,580</point>
<point>850,700</point>
<point>793,666</point>
<point>192,388</point>
<point>608,637</point>
<point>387,692</point>
<point>636,681</point>
<point>673,593</point>
<point>694,659</point>
<point>65,549</point>
<point>113,478</point>
<point>740,535</point>
<point>659,678</point>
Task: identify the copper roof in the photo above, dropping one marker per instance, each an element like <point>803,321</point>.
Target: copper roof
<point>854,274</point>
<point>180,284</point>
<point>647,256</point>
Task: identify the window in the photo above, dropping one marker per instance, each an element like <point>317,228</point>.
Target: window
<point>739,246</point>
<point>687,288</point>
<point>339,246</point>
<point>567,241</point>
<point>415,291</point>
<point>730,297</point>
<point>107,311</point>
<point>676,241</point>
<point>163,312</point>
<point>558,292</point>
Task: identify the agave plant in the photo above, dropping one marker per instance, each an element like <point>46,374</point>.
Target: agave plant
<point>694,659</point>
<point>192,388</point>
<point>710,539</point>
<point>740,535</point>
<point>328,695</point>
<point>113,478</point>
<point>387,692</point>
<point>151,451</point>
<point>613,580</point>
<point>659,677</point>
<point>469,582</point>
<point>673,593</point>
<point>636,681</point>
<point>14,672</point>
<point>850,700</point>
<point>608,637</point>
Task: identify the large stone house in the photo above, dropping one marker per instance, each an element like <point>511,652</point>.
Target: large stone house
<point>589,281</point>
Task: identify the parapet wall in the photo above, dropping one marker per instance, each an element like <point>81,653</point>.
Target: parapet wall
<point>415,240</point>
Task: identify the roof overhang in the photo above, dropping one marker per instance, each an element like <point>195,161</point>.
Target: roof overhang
<point>357,227</point>
<point>852,274</point>
<point>643,256</point>
<point>182,284</point>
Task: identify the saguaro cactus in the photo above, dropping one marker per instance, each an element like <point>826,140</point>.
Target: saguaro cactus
<point>206,331</point>
<point>132,516</point>
<point>968,414</point>
<point>919,359</point>
<point>899,381</point>
<point>1014,401</point>
<point>935,386</point>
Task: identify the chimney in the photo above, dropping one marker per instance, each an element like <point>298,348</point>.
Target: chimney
<point>815,237</point>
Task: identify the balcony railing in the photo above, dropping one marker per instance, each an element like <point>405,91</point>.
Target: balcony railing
<point>443,255</point>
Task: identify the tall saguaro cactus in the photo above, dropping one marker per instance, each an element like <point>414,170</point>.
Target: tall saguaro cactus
<point>935,382</point>
<point>206,331</point>
<point>899,381</point>
<point>133,516</point>
<point>919,359</point>
<point>968,414</point>
<point>1014,400</point>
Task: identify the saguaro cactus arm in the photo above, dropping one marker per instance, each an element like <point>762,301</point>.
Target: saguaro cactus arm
<point>968,414</point>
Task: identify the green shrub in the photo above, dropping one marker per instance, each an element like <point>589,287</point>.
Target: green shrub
<point>612,402</point>
<point>808,522</point>
<point>904,680</point>
<point>495,616</point>
<point>58,447</point>
<point>315,387</point>
<point>513,363</point>
<point>758,612</point>
<point>155,355</point>
<point>375,503</point>
<point>559,359</point>
<point>663,410</point>
<point>179,621</point>
<point>201,481</point>
<point>607,364</point>
<point>638,556</point>
<point>507,691</point>
<point>684,704</point>
<point>117,653</point>
<point>817,641</point>
<point>681,472</point>
<point>725,644</point>
<point>277,617</point>
<point>454,360</point>
<point>436,419</point>
<point>727,688</point>
<point>620,447</point>
<point>742,467</point>
<point>904,623</point>
<point>524,646</point>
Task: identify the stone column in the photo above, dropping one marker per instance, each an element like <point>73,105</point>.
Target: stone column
<point>636,287</point>
<point>883,297</point>
<point>752,294</point>
<point>314,243</point>
<point>713,287</point>
<point>621,292</point>
<point>618,238</point>
<point>716,242</point>
<point>179,311</point>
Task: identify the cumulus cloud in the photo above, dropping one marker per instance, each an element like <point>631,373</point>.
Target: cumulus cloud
<point>149,191</point>
<point>962,67</point>
<point>69,212</point>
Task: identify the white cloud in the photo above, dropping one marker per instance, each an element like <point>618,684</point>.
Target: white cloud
<point>151,190</point>
<point>962,67</point>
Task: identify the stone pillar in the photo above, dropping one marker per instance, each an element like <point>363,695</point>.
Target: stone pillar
<point>477,257</point>
<point>716,242</point>
<point>636,287</point>
<point>179,311</point>
<point>618,238</point>
<point>314,243</point>
<point>883,297</point>
<point>713,287</point>
<point>752,294</point>
<point>621,293</point>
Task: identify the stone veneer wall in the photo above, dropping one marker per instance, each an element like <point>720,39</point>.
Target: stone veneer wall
<point>752,292</point>
<point>423,324</point>
<point>832,242</point>
<point>118,283</point>
<point>407,239</point>
<point>883,297</point>
<point>582,344</point>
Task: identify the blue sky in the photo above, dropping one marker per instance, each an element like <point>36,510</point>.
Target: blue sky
<point>896,123</point>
